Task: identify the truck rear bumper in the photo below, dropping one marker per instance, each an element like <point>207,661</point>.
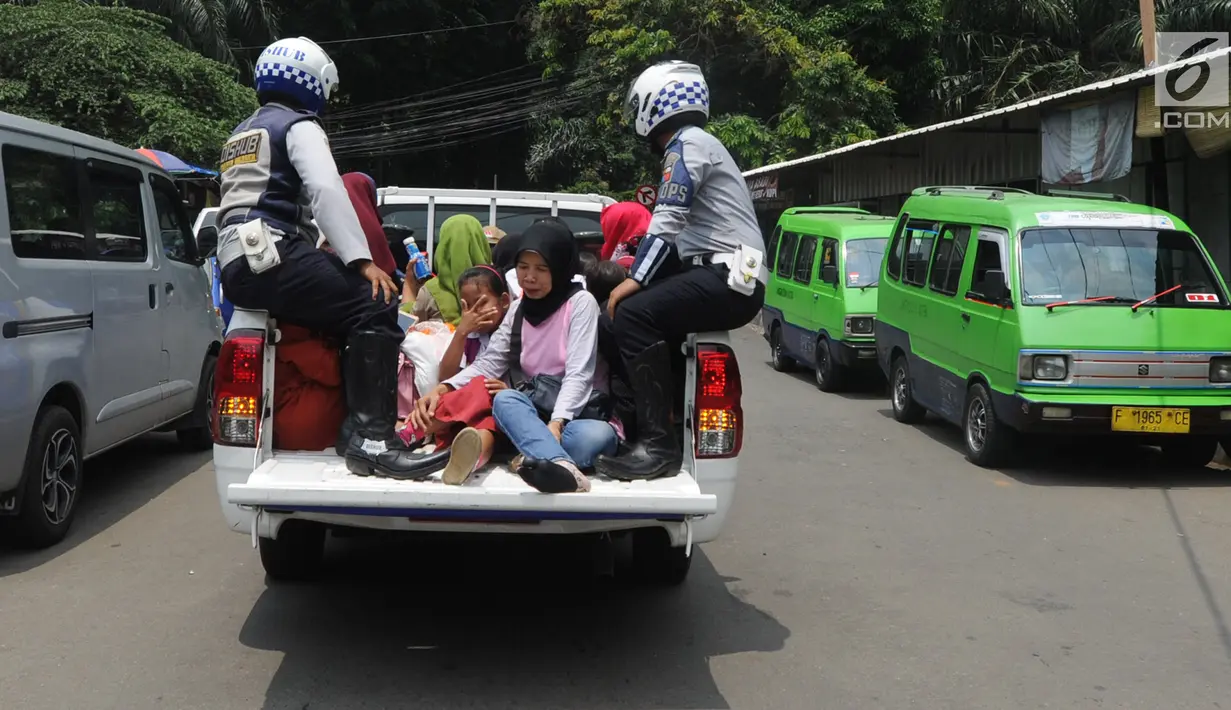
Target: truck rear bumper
<point>317,487</point>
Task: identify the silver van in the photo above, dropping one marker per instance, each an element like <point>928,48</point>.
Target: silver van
<point>107,330</point>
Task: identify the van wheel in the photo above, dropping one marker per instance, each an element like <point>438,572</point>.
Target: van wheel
<point>296,554</point>
<point>830,375</point>
<point>1189,451</point>
<point>201,438</point>
<point>905,408</point>
<point>655,561</point>
<point>777,356</point>
<point>52,481</point>
<point>988,440</point>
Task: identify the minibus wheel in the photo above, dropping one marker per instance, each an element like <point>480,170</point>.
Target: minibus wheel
<point>988,440</point>
<point>905,409</point>
<point>830,375</point>
<point>777,355</point>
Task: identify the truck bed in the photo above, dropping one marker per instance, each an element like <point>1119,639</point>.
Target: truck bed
<point>320,483</point>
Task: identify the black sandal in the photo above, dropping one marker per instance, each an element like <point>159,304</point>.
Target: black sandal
<point>553,476</point>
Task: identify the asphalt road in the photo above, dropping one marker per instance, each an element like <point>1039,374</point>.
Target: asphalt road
<point>865,565</point>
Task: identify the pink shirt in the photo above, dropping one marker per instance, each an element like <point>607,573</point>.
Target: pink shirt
<point>564,345</point>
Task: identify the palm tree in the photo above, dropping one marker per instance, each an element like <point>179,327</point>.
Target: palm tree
<point>1003,52</point>
<point>213,27</point>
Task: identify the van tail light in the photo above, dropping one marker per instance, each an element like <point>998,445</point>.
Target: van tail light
<point>237,388</point>
<point>719,418</point>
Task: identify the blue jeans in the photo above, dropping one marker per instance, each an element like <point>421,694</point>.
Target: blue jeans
<point>583,439</point>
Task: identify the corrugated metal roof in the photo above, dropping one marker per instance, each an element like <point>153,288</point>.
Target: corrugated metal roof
<point>1051,98</point>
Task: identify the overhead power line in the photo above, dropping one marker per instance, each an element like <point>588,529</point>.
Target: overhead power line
<point>464,129</point>
<point>398,35</point>
<point>450,121</point>
<point>399,114</point>
<point>394,104</point>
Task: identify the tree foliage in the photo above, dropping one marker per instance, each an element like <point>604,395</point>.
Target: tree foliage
<point>1001,52</point>
<point>784,78</point>
<point>114,73</point>
<point>454,92</point>
<point>408,98</point>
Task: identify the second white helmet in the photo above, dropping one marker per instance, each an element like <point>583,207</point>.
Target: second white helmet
<point>297,67</point>
<point>664,90</point>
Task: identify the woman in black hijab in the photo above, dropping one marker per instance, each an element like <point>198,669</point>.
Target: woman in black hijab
<point>547,261</point>
<point>547,347</point>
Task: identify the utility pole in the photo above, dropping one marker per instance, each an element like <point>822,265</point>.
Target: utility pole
<point>1157,170</point>
<point>1148,42</point>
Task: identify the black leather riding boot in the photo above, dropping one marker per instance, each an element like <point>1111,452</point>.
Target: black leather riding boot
<point>375,449</point>
<point>656,452</point>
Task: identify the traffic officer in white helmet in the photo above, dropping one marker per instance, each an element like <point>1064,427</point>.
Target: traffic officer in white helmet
<point>277,175</point>
<point>697,269</point>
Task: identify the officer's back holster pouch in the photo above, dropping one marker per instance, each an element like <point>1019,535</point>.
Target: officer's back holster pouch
<point>258,244</point>
<point>747,268</point>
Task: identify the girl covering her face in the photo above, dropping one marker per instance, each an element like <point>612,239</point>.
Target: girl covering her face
<point>462,246</point>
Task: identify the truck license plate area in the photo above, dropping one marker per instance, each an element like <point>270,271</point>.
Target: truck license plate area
<point>1150,420</point>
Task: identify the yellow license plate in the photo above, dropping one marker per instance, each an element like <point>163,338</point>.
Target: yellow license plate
<point>1150,420</point>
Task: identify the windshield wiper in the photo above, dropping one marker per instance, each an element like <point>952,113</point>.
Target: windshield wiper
<point>1093,299</point>
<point>865,287</point>
<point>1158,295</point>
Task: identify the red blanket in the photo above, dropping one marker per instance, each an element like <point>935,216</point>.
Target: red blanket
<point>308,403</point>
<point>470,406</point>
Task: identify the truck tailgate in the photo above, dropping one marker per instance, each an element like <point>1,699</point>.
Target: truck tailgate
<point>322,484</point>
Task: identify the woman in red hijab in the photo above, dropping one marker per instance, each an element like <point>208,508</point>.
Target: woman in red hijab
<point>362,190</point>
<point>623,224</point>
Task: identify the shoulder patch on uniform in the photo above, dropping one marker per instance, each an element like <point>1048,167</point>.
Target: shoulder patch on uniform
<point>676,189</point>
<point>241,149</point>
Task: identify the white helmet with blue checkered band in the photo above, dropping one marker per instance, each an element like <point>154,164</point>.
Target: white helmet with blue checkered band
<point>665,90</point>
<point>298,68</point>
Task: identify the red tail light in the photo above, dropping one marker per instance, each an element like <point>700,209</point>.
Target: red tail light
<point>237,388</point>
<point>719,422</point>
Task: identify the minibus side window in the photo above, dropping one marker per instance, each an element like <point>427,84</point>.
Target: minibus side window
<point>893,266</point>
<point>786,260</point>
<point>805,259</point>
<point>948,259</point>
<point>773,247</point>
<point>118,211</point>
<point>989,256</point>
<point>44,204</point>
<point>920,236</point>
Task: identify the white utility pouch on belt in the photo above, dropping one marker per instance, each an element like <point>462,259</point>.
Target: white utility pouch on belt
<point>746,270</point>
<point>258,246</point>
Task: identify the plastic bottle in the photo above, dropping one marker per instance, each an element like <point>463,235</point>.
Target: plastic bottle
<point>417,261</point>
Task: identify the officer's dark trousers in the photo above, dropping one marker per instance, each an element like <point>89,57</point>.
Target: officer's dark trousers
<point>313,289</point>
<point>694,299</point>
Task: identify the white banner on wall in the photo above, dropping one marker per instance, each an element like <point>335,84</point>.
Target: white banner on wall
<point>1088,144</point>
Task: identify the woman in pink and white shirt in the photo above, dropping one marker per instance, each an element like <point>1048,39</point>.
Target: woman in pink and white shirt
<point>559,337</point>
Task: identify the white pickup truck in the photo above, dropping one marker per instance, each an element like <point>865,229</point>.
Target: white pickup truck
<point>288,500</point>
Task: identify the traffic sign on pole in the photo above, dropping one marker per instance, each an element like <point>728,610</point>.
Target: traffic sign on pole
<point>647,195</point>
